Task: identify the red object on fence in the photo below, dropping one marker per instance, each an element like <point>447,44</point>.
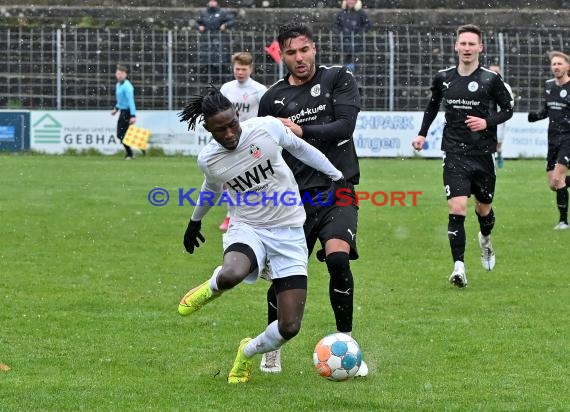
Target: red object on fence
<point>274,51</point>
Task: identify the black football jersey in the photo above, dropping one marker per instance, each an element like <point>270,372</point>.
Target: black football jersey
<point>477,95</point>
<point>313,103</point>
<point>557,109</point>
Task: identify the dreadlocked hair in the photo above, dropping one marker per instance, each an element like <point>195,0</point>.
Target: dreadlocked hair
<point>203,107</point>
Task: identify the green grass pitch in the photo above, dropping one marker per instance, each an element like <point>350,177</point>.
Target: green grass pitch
<point>91,275</point>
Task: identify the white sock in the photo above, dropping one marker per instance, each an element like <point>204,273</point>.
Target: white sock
<point>214,280</point>
<point>267,341</point>
<point>459,265</point>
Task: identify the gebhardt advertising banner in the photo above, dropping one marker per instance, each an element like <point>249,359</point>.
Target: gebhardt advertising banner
<point>377,134</point>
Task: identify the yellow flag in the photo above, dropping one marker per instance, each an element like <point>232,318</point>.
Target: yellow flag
<point>137,137</point>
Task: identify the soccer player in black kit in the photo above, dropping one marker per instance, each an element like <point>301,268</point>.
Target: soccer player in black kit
<point>557,109</point>
<point>320,105</point>
<point>470,94</point>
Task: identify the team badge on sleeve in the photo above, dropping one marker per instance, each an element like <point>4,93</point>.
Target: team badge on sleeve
<point>254,151</point>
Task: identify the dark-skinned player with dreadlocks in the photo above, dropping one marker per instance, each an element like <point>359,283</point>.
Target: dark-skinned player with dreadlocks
<point>246,157</point>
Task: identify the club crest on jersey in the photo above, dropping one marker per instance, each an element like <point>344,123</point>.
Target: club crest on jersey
<point>563,93</point>
<point>254,151</point>
<point>316,90</point>
<point>473,86</point>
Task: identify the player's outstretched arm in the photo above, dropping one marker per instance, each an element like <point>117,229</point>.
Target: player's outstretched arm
<point>341,128</point>
<point>305,152</point>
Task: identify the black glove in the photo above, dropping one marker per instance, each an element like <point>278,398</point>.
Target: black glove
<point>533,117</point>
<point>192,235</point>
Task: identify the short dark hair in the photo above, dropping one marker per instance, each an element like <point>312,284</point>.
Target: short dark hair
<point>204,106</point>
<point>292,31</point>
<point>122,68</point>
<point>470,28</point>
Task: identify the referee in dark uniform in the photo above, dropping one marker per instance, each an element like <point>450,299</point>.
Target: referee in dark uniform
<point>470,94</point>
<point>320,105</point>
<point>557,108</point>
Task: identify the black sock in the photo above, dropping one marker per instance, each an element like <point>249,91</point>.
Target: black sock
<point>128,150</point>
<point>486,223</point>
<point>341,290</point>
<point>271,305</point>
<point>562,202</point>
<point>456,234</point>
<point>567,180</point>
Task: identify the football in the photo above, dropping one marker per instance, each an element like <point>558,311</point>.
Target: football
<point>337,357</point>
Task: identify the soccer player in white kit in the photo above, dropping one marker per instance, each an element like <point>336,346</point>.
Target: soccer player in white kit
<point>244,93</point>
<point>266,223</point>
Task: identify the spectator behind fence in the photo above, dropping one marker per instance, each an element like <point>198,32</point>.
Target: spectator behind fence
<point>351,22</point>
<point>213,24</point>
<point>125,105</point>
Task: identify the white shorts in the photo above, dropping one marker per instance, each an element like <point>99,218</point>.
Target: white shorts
<point>283,249</point>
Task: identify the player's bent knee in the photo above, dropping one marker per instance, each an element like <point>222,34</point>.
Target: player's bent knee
<point>457,209</point>
<point>483,209</point>
<point>552,186</point>
<point>229,276</point>
<point>289,329</point>
<point>338,262</point>
<point>555,183</point>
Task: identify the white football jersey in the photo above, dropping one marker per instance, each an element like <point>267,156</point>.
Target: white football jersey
<point>256,165</point>
<point>244,96</point>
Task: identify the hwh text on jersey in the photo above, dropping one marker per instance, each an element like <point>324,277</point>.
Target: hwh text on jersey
<point>241,107</point>
<point>252,177</point>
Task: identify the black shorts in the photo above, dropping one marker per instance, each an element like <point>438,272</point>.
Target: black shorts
<point>558,153</point>
<point>332,222</point>
<point>464,175</point>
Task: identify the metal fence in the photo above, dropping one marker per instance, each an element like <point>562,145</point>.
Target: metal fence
<point>73,68</point>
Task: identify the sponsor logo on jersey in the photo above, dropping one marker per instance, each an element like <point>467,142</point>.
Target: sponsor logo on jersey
<point>254,151</point>
<point>316,90</point>
<point>463,104</point>
<point>473,86</point>
<point>308,114</point>
<point>281,102</point>
<point>563,93</point>
<point>253,177</point>
<point>556,105</point>
<point>241,107</point>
